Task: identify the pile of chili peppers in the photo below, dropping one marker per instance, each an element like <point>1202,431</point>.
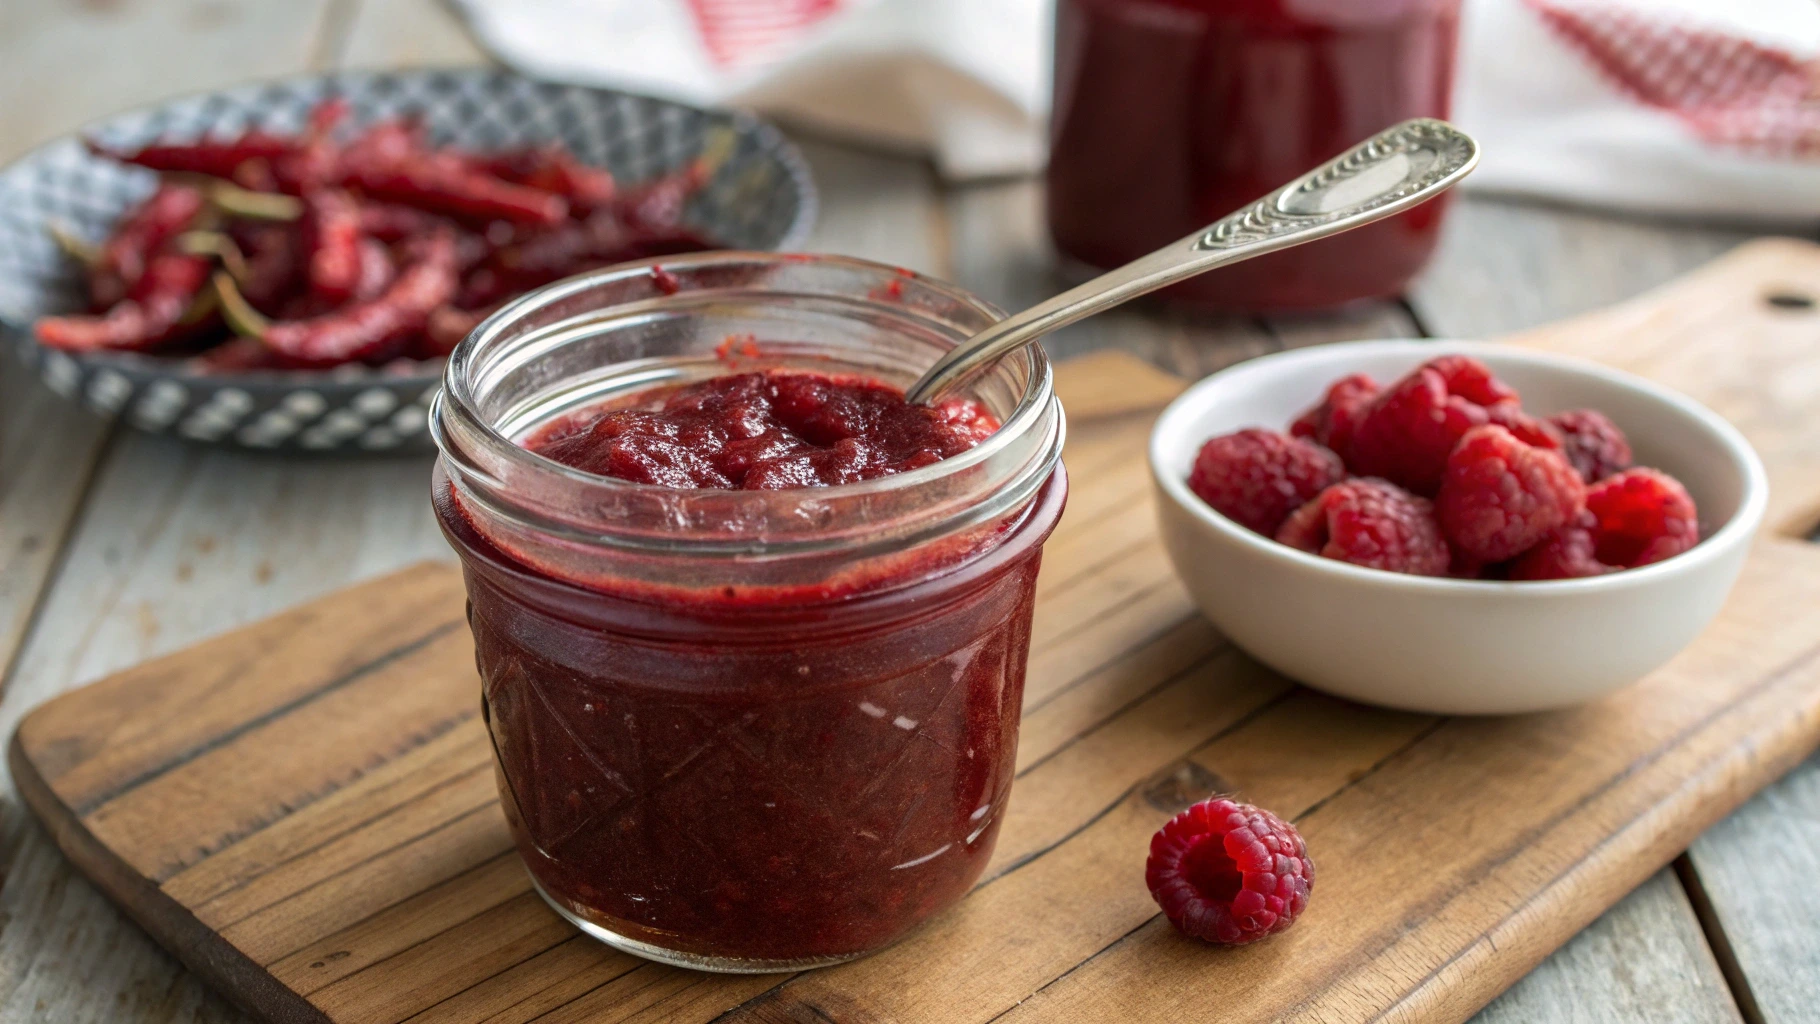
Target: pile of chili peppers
<point>271,252</point>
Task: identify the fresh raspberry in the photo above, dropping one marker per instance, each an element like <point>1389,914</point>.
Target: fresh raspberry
<point>1409,430</point>
<point>1373,523</point>
<point>1567,553</point>
<point>1593,443</point>
<point>1229,872</point>
<point>1526,428</point>
<point>1472,380</point>
<point>1500,497</point>
<point>1336,419</point>
<point>1644,516</point>
<point>1257,477</point>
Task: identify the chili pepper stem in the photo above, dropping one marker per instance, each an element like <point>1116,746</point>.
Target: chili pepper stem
<point>218,245</point>
<point>237,311</point>
<point>240,202</point>
<point>715,150</point>
<point>206,301</point>
<point>73,245</point>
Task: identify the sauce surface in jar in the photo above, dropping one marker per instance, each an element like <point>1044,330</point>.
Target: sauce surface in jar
<point>769,430</point>
<point>1170,114</point>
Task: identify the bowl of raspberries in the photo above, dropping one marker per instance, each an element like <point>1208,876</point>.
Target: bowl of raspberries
<point>1454,528</point>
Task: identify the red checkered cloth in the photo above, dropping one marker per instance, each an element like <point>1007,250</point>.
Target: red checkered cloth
<point>1729,90</point>
<point>736,32</point>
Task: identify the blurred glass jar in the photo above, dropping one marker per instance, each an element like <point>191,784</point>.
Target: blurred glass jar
<point>1169,114</point>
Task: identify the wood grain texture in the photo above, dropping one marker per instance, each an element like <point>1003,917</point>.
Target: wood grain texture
<point>1645,960</point>
<point>1505,266</point>
<point>406,33</point>
<point>41,486</point>
<point>68,63</point>
<point>1532,826</point>
<point>1759,873</point>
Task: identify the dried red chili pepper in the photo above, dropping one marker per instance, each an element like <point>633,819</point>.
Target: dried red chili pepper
<point>379,327</point>
<point>390,162</point>
<point>236,355</point>
<point>312,162</point>
<point>391,222</point>
<point>554,169</point>
<point>444,183</point>
<point>446,327</point>
<point>152,314</point>
<point>555,253</point>
<point>218,159</point>
<point>255,176</point>
<point>657,206</point>
<point>331,234</point>
<point>273,263</point>
<point>164,215</point>
<point>377,270</point>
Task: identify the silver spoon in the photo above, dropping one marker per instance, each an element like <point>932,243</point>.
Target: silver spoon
<point>1402,167</point>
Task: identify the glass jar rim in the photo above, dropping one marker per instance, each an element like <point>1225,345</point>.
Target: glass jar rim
<point>477,448</point>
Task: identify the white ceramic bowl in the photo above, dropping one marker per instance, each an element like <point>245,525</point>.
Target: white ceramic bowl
<point>1456,646</point>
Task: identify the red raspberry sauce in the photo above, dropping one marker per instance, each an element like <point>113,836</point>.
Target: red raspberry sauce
<point>771,430</point>
<point>773,775</point>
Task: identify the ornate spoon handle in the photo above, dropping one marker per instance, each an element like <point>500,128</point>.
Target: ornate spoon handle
<point>1385,175</point>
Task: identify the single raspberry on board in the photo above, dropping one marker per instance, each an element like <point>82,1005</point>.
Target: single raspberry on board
<point>1499,497</point>
<point>1373,523</point>
<point>1644,516</point>
<point>1257,477</point>
<point>1409,430</point>
<point>1229,872</point>
<point>1567,553</point>
<point>1334,421</point>
<point>1593,443</point>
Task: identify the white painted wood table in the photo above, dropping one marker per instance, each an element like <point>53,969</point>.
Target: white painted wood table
<point>115,547</point>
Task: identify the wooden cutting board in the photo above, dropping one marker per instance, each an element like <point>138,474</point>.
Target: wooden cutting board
<point>303,811</point>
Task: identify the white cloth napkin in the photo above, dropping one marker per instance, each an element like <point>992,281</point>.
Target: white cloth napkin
<point>964,80</point>
<point>1698,107</point>
<point>1694,107</point>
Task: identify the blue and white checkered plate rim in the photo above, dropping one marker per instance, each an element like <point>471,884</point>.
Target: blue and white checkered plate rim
<point>760,197</point>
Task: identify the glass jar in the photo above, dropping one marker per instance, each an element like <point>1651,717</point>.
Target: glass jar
<point>1170,114</point>
<point>745,730</point>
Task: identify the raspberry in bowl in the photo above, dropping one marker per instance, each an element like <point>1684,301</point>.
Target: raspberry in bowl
<point>1514,530</point>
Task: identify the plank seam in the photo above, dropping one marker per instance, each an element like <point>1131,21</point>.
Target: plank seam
<point>1415,316</point>
<point>1524,842</point>
<point>59,563</point>
<point>1730,968</point>
<point>1528,839</point>
<point>1571,869</point>
<point>217,742</point>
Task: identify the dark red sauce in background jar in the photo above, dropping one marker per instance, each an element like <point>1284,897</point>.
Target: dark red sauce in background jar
<point>747,729</point>
<point>1169,114</point>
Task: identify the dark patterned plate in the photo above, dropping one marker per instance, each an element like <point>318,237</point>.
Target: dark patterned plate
<point>760,197</point>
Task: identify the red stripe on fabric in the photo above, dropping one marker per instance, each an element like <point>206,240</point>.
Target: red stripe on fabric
<point>1728,90</point>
